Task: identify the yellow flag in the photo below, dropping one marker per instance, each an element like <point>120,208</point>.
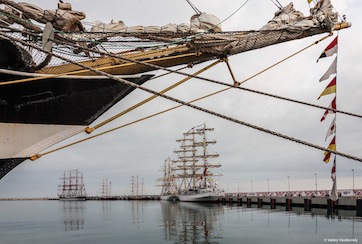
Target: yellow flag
<point>332,146</point>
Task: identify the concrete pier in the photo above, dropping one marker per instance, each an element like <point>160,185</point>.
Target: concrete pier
<point>346,203</point>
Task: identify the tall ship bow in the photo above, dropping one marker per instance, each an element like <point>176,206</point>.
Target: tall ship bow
<point>56,77</point>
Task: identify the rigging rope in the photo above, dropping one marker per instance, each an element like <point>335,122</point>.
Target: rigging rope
<point>249,90</point>
<point>34,157</point>
<point>181,40</point>
<point>278,6</point>
<point>232,14</point>
<point>91,129</point>
<point>290,56</point>
<point>37,28</point>
<point>182,103</point>
<point>193,7</point>
<point>213,81</point>
<point>201,78</point>
<point>249,78</point>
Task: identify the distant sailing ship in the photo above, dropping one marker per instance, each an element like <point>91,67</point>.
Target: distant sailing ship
<point>135,190</point>
<point>197,181</point>
<point>72,186</point>
<point>169,185</point>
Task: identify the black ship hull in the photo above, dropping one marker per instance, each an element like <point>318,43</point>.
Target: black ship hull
<point>74,100</point>
<point>36,114</point>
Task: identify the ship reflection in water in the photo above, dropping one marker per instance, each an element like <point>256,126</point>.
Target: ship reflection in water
<point>186,222</point>
<point>171,222</point>
<point>73,214</point>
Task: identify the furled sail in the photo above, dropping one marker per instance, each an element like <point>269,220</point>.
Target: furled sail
<point>198,41</point>
<point>288,24</point>
<point>63,18</point>
<point>172,48</point>
<point>198,23</point>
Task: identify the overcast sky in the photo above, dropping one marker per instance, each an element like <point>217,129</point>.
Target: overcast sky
<point>246,155</point>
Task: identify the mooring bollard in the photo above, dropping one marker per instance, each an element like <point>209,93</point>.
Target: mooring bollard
<point>248,202</point>
<point>307,203</point>
<point>288,204</point>
<point>331,206</point>
<point>239,201</point>
<point>272,203</point>
<point>260,202</point>
<point>359,207</point>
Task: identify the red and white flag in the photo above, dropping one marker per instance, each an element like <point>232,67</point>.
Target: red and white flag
<point>333,171</point>
<point>331,49</point>
<point>331,106</point>
<point>332,128</point>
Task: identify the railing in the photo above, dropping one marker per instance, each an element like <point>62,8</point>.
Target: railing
<point>308,193</point>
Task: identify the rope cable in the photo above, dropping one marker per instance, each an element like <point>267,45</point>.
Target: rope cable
<point>194,107</point>
<point>193,7</point>
<point>214,81</point>
<point>280,5</point>
<point>167,44</point>
<point>232,14</point>
<point>290,56</point>
<point>249,78</point>
<point>275,4</point>
<point>34,157</point>
<point>90,129</point>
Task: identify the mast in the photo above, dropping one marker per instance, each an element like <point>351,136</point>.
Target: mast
<point>63,192</point>
<point>137,186</point>
<point>72,185</point>
<point>186,155</point>
<point>169,186</point>
<point>193,158</point>
<point>106,188</point>
<point>132,185</point>
<point>142,187</point>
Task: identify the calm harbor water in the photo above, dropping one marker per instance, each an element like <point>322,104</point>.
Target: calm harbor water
<point>170,222</point>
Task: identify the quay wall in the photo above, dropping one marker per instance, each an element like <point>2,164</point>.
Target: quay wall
<point>314,202</point>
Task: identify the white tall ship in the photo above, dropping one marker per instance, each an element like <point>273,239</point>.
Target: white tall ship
<point>168,182</point>
<point>72,186</point>
<point>198,183</point>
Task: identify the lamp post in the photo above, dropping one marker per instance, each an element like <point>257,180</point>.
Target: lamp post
<point>316,183</point>
<point>251,186</point>
<point>353,181</point>
<point>289,185</point>
<point>238,188</point>
<point>268,185</point>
